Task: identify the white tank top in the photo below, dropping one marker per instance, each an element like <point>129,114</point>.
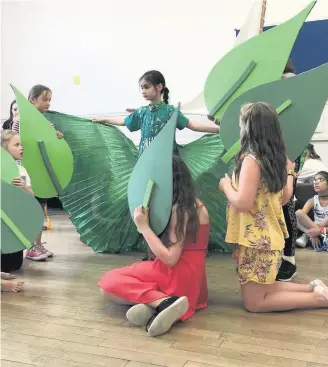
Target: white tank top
<point>320,212</point>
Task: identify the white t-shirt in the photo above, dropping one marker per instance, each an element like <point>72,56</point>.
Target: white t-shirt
<point>24,175</point>
<point>320,212</point>
<point>310,168</point>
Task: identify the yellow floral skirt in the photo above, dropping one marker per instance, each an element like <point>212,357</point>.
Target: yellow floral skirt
<point>259,266</point>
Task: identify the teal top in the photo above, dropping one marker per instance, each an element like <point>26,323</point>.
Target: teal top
<point>150,120</point>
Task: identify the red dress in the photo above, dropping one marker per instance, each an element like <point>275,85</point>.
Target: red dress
<point>147,281</point>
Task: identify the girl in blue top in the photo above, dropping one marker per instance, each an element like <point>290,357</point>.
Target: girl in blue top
<point>152,118</point>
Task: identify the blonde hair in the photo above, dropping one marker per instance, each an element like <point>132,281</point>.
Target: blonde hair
<point>6,136</point>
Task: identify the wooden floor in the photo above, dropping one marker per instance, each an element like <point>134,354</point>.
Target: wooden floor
<point>61,319</point>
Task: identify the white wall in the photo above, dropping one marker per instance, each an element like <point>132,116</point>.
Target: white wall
<point>110,43</point>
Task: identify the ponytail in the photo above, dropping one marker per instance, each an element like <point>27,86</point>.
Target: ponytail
<point>155,78</point>
<point>166,95</point>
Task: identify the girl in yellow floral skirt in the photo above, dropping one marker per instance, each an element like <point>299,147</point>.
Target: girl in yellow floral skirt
<point>262,182</point>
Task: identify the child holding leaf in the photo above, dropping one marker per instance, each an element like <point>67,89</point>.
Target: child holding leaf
<point>11,141</point>
<point>40,96</point>
<point>262,182</point>
<point>173,286</point>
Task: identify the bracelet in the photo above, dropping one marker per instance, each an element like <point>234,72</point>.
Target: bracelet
<point>291,173</point>
<point>323,230</point>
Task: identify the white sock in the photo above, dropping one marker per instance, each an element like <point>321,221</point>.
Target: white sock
<point>321,290</point>
<point>318,282</point>
<point>291,259</point>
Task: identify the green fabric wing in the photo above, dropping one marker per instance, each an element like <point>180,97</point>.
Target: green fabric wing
<point>203,158</point>
<point>257,61</point>
<point>96,198</point>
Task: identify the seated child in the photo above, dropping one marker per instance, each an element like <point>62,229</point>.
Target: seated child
<point>316,231</point>
<point>173,286</point>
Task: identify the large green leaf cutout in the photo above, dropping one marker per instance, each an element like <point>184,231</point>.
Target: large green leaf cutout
<point>48,160</point>
<point>257,61</point>
<point>155,164</point>
<point>306,95</point>
<point>21,218</point>
<point>9,168</point>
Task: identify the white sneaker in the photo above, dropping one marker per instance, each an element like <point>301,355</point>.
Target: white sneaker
<point>303,240</point>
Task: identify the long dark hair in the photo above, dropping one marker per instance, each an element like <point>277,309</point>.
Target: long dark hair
<point>9,123</point>
<point>262,137</point>
<point>312,153</point>
<point>184,199</point>
<point>37,90</point>
<point>155,78</point>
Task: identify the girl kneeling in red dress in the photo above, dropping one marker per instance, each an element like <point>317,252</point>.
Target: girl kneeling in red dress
<point>173,286</point>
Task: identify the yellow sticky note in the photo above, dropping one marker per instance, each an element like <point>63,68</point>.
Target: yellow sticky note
<point>76,80</point>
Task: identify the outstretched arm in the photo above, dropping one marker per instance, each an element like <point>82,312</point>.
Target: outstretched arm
<point>118,121</point>
<point>197,126</point>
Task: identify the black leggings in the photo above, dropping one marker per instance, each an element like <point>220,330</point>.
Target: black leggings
<point>11,262</point>
<point>291,223</point>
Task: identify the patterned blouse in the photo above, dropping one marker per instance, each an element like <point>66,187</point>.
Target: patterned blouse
<point>263,227</point>
<point>150,120</point>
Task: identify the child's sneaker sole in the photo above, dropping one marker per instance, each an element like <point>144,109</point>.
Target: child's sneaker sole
<point>139,314</point>
<point>37,258</point>
<point>166,318</point>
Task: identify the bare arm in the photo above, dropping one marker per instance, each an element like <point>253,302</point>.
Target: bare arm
<point>309,205</point>
<point>169,256</point>
<point>324,223</point>
<point>248,184</point>
<point>197,126</point>
<point>288,190</point>
<point>118,121</point>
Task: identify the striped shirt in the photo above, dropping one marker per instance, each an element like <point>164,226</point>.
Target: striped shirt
<point>15,126</point>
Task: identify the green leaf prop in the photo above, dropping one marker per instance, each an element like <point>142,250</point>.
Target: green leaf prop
<point>257,61</point>
<point>155,164</point>
<point>9,168</point>
<point>301,100</point>
<point>21,218</point>
<point>48,160</point>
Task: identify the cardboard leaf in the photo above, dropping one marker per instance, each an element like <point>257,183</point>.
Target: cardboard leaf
<point>54,160</point>
<point>21,218</point>
<point>155,164</point>
<point>260,60</point>
<point>308,93</point>
<point>9,168</point>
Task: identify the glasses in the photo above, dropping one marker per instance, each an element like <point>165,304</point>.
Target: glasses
<point>318,180</point>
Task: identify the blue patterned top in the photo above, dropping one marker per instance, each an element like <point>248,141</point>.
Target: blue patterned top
<point>150,120</point>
